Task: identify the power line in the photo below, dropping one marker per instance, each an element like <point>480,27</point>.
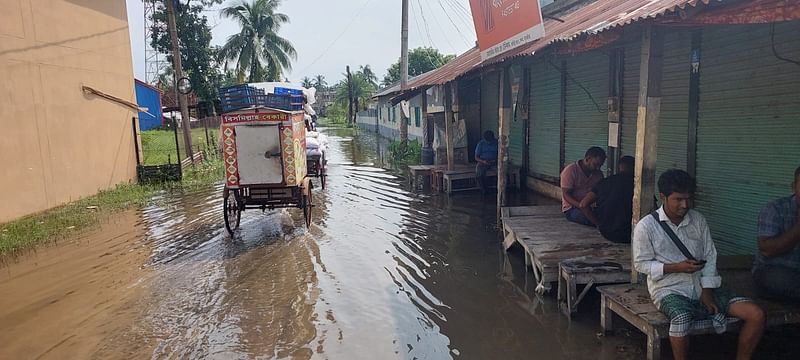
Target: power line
<point>457,11</point>
<point>419,29</point>
<point>427,27</point>
<point>466,42</point>
<point>461,13</point>
<point>462,8</point>
<point>352,20</point>
<point>441,29</point>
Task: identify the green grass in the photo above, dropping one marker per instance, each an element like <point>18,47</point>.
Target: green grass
<point>158,146</point>
<point>334,121</point>
<point>26,233</point>
<point>401,158</point>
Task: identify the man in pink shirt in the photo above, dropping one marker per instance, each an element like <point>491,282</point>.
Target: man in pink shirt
<point>577,180</point>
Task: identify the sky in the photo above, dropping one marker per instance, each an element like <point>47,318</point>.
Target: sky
<point>331,34</point>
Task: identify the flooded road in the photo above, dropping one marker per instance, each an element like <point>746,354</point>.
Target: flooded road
<point>382,273</point>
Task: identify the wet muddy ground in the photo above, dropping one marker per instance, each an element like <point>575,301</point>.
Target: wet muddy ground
<point>383,273</point>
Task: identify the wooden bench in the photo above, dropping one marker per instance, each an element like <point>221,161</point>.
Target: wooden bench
<point>574,272</point>
<point>462,180</point>
<point>465,179</point>
<point>421,176</point>
<point>632,303</point>
<point>548,239</point>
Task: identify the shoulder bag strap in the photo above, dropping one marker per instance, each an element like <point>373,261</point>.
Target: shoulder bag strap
<point>673,236</point>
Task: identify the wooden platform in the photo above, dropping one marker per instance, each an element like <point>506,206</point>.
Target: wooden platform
<point>632,303</point>
<point>548,239</point>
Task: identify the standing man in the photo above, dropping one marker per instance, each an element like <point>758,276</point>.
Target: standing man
<point>777,266</point>
<point>614,198</point>
<point>577,180</point>
<point>486,156</point>
<point>673,246</point>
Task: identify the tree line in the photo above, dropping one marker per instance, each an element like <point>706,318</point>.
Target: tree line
<point>258,52</point>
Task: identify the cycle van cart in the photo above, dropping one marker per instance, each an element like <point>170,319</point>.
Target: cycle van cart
<point>264,152</point>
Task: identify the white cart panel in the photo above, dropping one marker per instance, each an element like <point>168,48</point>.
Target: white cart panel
<point>259,154</point>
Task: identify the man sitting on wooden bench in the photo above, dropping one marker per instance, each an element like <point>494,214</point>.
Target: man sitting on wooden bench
<point>486,156</point>
<point>614,198</point>
<point>577,180</point>
<point>776,271</point>
<point>673,247</point>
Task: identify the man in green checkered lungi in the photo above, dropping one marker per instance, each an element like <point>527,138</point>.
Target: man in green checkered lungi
<point>682,273</point>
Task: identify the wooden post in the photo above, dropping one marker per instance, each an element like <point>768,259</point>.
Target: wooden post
<point>448,126</point>
<point>526,104</point>
<point>502,143</point>
<point>427,134</point>
<point>137,141</point>
<point>404,70</point>
<point>647,125</point>
<point>615,72</point>
<point>562,150</point>
<point>177,67</point>
<point>694,104</point>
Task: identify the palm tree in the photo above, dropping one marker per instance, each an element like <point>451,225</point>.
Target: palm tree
<point>307,83</point>
<point>320,83</point>
<point>257,49</point>
<point>369,75</point>
<point>363,90</point>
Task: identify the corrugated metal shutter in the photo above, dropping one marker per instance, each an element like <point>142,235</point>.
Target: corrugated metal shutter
<point>469,103</point>
<point>516,142</point>
<point>545,147</point>
<point>586,120</point>
<point>748,127</point>
<point>630,95</point>
<point>490,101</point>
<point>673,120</point>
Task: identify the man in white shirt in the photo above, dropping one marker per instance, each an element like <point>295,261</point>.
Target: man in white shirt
<point>687,288</point>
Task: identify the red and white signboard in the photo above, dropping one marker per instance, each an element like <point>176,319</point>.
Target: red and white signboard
<point>253,117</point>
<point>502,25</point>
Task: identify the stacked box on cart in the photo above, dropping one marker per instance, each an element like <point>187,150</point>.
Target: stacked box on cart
<point>283,102</point>
<point>287,91</point>
<point>239,97</point>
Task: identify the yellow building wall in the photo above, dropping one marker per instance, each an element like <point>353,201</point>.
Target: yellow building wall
<point>56,143</point>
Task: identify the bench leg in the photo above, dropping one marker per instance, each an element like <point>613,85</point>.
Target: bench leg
<point>508,238</point>
<point>572,289</point>
<point>653,346</point>
<point>563,294</point>
<point>606,316</point>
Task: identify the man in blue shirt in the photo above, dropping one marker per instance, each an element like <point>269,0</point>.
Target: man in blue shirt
<point>486,156</point>
<point>776,270</point>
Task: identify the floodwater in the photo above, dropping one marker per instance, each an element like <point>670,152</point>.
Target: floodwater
<point>383,273</point>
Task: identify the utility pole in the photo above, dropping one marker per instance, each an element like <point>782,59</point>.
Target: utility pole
<point>502,141</point>
<point>404,71</point>
<point>178,67</point>
<point>349,97</point>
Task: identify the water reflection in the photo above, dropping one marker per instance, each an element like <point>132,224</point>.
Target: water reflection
<point>382,273</point>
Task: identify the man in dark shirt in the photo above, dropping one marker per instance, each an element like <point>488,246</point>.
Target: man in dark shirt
<point>614,199</point>
<point>776,270</point>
